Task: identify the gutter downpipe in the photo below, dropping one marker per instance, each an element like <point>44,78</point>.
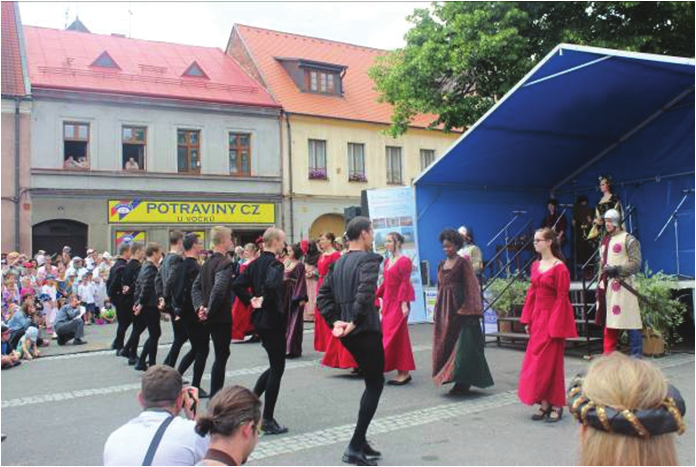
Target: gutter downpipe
<point>290,175</point>
<point>17,189</point>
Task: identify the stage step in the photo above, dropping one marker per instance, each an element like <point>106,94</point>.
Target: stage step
<point>522,336</point>
<point>516,319</point>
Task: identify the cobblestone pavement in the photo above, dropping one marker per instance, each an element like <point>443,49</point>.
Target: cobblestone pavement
<point>59,410</point>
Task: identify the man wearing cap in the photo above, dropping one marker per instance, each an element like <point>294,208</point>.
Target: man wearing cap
<point>620,260</point>
<point>10,358</point>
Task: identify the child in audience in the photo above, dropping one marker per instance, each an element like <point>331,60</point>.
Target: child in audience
<point>27,347</point>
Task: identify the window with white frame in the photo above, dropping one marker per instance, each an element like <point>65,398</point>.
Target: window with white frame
<point>427,157</point>
<point>394,172</point>
<point>356,162</point>
<point>317,160</point>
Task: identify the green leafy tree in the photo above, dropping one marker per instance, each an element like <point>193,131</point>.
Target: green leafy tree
<point>461,57</point>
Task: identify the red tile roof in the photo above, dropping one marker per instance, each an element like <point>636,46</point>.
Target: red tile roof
<point>12,76</point>
<point>61,59</point>
<point>359,101</point>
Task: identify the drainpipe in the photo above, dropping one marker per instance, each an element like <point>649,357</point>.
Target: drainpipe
<point>17,172</point>
<point>290,176</point>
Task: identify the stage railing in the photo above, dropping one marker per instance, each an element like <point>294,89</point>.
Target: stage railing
<point>506,249</point>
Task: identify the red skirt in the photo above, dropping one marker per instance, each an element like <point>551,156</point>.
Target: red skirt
<point>322,332</point>
<point>337,356</point>
<point>241,320</point>
<point>543,376</point>
<point>398,354</point>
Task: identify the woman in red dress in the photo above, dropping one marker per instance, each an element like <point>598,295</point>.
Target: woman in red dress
<point>396,293</point>
<point>241,315</point>
<point>322,332</point>
<point>549,320</point>
<point>337,356</point>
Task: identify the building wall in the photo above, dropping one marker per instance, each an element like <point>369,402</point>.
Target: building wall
<point>107,119</point>
<point>83,195</point>
<point>338,134</point>
<point>313,198</point>
<point>8,176</point>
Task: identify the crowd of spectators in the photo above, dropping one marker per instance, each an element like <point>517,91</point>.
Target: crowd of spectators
<point>51,297</point>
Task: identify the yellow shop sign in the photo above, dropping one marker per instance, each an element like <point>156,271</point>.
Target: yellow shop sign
<point>145,211</point>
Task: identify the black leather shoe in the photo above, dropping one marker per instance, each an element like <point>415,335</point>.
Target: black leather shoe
<point>202,394</point>
<point>140,366</point>
<point>132,361</point>
<point>356,457</point>
<point>78,341</point>
<point>460,389</point>
<point>396,382</point>
<point>122,353</point>
<point>271,427</point>
<point>369,452</point>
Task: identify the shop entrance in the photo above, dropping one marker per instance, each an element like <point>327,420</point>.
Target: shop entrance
<point>242,237</point>
<point>51,236</point>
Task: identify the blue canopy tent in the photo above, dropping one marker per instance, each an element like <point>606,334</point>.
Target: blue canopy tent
<point>581,112</point>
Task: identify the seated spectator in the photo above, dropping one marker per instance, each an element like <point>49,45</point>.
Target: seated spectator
<point>162,397</point>
<point>69,324</point>
<point>629,413</point>
<point>132,164</point>
<point>27,347</point>
<point>10,358</point>
<point>21,320</point>
<point>232,421</point>
<point>108,312</point>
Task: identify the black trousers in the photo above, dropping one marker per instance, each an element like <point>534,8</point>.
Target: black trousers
<point>221,335</point>
<point>269,381</point>
<point>180,338</point>
<point>367,350</point>
<point>124,317</point>
<point>152,321</point>
<point>139,326</point>
<point>200,347</point>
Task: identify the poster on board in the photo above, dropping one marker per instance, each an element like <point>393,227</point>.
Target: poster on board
<point>129,236</point>
<point>394,210</point>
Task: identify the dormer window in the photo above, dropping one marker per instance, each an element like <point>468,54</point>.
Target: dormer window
<point>195,71</point>
<point>105,61</point>
<point>315,77</point>
<point>322,81</point>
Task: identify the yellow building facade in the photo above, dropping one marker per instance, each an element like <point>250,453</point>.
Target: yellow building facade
<point>317,205</point>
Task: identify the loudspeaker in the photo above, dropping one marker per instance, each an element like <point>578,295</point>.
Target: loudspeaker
<point>425,272</point>
<point>350,212</point>
<point>365,208</point>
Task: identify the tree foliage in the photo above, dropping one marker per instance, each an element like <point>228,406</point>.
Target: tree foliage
<point>460,57</point>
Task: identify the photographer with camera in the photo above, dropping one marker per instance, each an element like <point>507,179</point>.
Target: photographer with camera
<point>158,436</point>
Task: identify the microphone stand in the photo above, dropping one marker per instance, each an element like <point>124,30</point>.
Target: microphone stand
<point>505,230</point>
<point>673,218</point>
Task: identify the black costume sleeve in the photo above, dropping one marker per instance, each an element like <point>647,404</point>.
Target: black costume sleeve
<point>221,286</point>
<point>367,286</point>
<point>197,292</point>
<point>326,301</point>
<point>241,285</point>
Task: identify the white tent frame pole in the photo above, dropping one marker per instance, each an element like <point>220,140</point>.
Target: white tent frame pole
<point>569,70</point>
<point>623,139</point>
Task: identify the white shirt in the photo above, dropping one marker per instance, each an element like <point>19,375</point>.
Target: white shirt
<point>180,445</point>
<point>86,292</point>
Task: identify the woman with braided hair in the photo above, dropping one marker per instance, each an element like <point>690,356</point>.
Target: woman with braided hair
<point>629,413</point>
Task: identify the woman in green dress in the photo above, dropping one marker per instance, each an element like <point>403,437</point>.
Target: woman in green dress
<point>458,340</point>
